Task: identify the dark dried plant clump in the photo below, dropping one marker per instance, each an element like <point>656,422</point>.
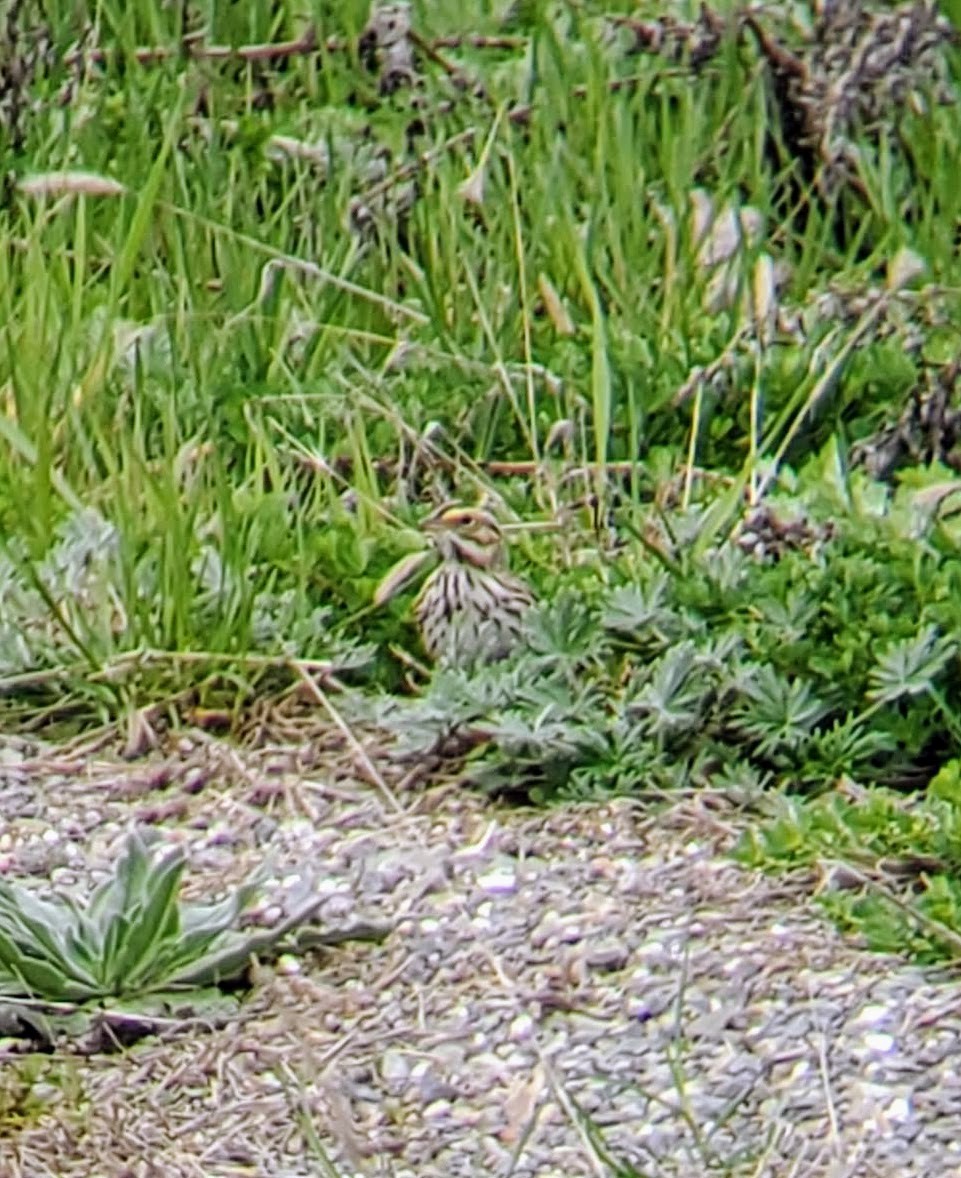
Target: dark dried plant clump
<point>847,75</point>
<point>693,42</point>
<point>26,53</point>
<point>859,67</point>
<point>927,430</point>
<point>768,531</point>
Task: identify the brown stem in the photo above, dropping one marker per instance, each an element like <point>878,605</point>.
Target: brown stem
<point>307,43</point>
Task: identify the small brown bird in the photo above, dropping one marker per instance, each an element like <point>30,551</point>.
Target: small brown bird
<point>471,608</point>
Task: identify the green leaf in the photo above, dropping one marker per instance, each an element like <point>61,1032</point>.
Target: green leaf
<point>132,880</point>
<point>27,918</point>
<point>35,977</point>
<point>601,394</point>
<point>781,713</point>
<point>910,666</point>
<point>143,931</point>
<point>229,959</point>
<point>946,783</point>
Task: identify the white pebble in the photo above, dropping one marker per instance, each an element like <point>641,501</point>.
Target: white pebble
<point>438,1110</point>
<point>900,1110</point>
<point>521,1028</point>
<point>394,1066</point>
<point>500,882</point>
<point>872,1015</point>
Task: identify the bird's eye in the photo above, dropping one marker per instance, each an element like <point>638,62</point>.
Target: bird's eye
<point>456,519</point>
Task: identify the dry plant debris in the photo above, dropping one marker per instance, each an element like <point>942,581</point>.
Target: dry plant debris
<point>927,430</point>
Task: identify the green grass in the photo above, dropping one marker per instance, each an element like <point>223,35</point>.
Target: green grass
<point>224,408</point>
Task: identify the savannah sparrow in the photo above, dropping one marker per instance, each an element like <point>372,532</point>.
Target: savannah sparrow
<point>471,609</point>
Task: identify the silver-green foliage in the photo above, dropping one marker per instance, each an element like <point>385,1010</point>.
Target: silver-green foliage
<point>134,935</point>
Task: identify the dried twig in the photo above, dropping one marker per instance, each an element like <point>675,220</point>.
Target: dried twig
<point>370,770</point>
<point>193,48</point>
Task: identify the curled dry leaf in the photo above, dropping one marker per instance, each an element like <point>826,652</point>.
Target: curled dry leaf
<point>904,268</point>
<point>723,288</point>
<point>727,234</point>
<point>560,436</point>
<point>270,274</point>
<point>141,736</point>
<point>702,215</point>
<point>286,147</point>
<point>400,354</point>
<point>723,239</point>
<point>930,498</point>
<point>720,239</point>
<point>520,1106</point>
<point>764,303</point>
<point>471,191</point>
<point>556,311</point>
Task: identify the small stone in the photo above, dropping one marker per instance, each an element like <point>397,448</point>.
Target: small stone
<point>872,1015</point>
<point>500,881</point>
<point>395,1066</point>
<point>438,1110</point>
<point>521,1028</point>
<point>879,1042</point>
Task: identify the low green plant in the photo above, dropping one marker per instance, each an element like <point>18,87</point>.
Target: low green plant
<point>133,936</point>
<point>808,668</point>
<point>890,861</point>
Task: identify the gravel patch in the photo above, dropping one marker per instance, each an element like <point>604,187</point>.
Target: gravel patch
<point>560,991</point>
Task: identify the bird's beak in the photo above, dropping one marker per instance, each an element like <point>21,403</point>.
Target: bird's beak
<point>435,521</point>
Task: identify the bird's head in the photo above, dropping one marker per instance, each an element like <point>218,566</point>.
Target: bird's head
<point>468,534</point>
